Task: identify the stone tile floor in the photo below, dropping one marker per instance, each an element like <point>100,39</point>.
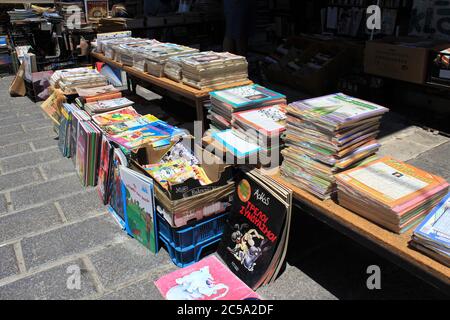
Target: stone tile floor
<point>49,223</point>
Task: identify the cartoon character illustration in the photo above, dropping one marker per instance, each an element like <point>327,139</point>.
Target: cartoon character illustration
<point>245,250</point>
<point>195,286</point>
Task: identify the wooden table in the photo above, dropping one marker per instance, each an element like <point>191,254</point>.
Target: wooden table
<point>388,244</point>
<point>165,86</point>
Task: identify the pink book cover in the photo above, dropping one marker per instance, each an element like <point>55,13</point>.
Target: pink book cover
<point>208,279</point>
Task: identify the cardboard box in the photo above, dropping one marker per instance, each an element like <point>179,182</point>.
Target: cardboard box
<point>404,58</point>
<point>217,171</point>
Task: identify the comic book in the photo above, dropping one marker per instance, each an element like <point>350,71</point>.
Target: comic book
<point>255,238</point>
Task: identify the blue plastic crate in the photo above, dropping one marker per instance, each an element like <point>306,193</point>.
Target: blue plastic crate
<point>186,257</point>
<point>187,237</point>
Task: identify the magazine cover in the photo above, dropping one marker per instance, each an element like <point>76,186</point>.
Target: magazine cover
<point>268,120</point>
<point>82,141</point>
<point>139,137</point>
<point>255,226</point>
<point>115,198</point>
<point>116,116</point>
<point>435,227</point>
<point>138,198</point>
<point>208,279</point>
<point>240,97</point>
<point>103,170</point>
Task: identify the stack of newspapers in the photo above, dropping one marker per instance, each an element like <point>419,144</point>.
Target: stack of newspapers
<point>226,102</point>
<point>432,236</point>
<point>68,80</point>
<point>390,193</point>
<point>173,69</point>
<point>327,135</point>
<point>212,69</point>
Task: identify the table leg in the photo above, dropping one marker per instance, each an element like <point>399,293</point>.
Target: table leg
<point>199,105</point>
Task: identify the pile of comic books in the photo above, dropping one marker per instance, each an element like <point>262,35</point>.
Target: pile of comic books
<point>327,135</point>
<point>225,103</point>
<point>69,80</point>
<point>131,130</point>
<point>390,193</point>
<point>432,236</point>
<point>212,69</point>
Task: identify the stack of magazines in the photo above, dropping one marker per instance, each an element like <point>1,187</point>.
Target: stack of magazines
<point>211,69</point>
<point>262,126</point>
<point>107,105</point>
<point>226,102</point>
<point>326,135</point>
<point>432,236</point>
<point>89,95</point>
<point>68,80</point>
<point>390,193</point>
<point>173,69</point>
<point>21,14</point>
<point>158,55</point>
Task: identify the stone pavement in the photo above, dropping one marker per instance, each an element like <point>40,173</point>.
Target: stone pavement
<point>50,223</point>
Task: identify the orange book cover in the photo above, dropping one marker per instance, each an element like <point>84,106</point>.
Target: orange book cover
<point>108,96</point>
<point>393,183</point>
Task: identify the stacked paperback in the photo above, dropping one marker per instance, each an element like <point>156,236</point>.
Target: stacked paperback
<point>69,80</point>
<point>390,193</point>
<point>327,135</point>
<point>226,102</point>
<point>157,56</point>
<point>212,69</point>
<point>432,236</point>
<point>21,14</point>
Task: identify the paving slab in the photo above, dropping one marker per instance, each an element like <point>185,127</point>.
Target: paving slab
<point>50,190</point>
<point>19,224</point>
<point>8,264</point>
<point>40,157</point>
<point>69,240</point>
<point>12,129</point>
<point>126,261</point>
<point>20,178</point>
<point>293,284</point>
<point>49,285</point>
<point>59,168</point>
<point>26,136</point>
<point>14,150</point>
<point>3,203</point>
<point>45,143</point>
<point>142,290</point>
<point>82,205</point>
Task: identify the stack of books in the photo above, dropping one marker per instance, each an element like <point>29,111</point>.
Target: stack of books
<point>107,105</point>
<point>390,193</point>
<point>68,80</point>
<point>432,236</point>
<point>327,135</point>
<point>262,126</point>
<point>87,154</point>
<point>212,69</point>
<point>173,69</point>
<point>226,102</point>
<point>89,95</point>
<point>158,55</point>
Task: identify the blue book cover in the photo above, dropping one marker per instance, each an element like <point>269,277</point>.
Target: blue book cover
<point>436,225</point>
<point>240,97</point>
